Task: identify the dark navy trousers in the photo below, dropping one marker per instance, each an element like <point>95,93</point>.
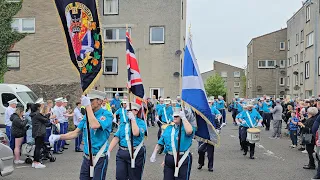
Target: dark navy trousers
<point>245,143</point>
<point>202,149</point>
<point>100,170</point>
<point>123,163</point>
<point>223,113</point>
<point>78,141</point>
<point>169,166</point>
<point>10,137</point>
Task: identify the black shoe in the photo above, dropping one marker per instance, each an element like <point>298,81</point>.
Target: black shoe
<point>241,149</point>
<point>245,153</point>
<point>252,157</point>
<point>315,177</point>
<point>309,167</point>
<point>210,169</point>
<point>65,148</point>
<point>78,150</point>
<point>67,144</point>
<point>301,149</point>
<point>200,166</point>
<point>57,152</point>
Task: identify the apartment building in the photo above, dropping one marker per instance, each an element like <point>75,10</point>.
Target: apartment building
<point>303,58</point>
<point>157,28</point>
<point>232,76</point>
<point>266,65</point>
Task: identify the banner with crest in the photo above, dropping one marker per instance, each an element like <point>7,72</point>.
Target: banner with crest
<point>81,25</point>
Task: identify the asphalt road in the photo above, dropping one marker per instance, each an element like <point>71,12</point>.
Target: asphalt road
<point>274,161</point>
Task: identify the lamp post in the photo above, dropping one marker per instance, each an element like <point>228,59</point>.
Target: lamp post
<point>277,80</point>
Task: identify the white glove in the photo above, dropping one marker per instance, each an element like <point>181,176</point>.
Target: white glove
<point>53,138</point>
<point>114,120</point>
<point>243,122</point>
<point>85,101</point>
<point>157,119</point>
<point>218,131</point>
<point>238,123</point>
<point>259,125</point>
<point>182,115</point>
<point>153,157</point>
<point>131,116</point>
<point>108,153</point>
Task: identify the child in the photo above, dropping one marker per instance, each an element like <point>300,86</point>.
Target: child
<point>293,128</point>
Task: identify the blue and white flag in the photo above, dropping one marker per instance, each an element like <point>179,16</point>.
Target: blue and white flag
<point>194,95</point>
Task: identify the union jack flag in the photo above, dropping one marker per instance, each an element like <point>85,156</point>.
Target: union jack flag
<point>134,77</point>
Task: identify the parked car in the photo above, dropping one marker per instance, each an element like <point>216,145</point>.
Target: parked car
<point>6,156</point>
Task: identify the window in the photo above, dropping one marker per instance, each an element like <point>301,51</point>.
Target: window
<point>13,60</point>
<point>297,39</point>
<point>236,84</point>
<point>307,70</point>
<point>268,64</point>
<point>282,46</point>
<point>224,74</point>
<point>157,35</point>
<point>282,63</point>
<point>281,81</point>
<point>296,79</point>
<point>236,74</point>
<point>110,7</point>
<point>296,59</point>
<point>288,81</point>
<point>289,62</point>
<point>115,34</point>
<point>301,56</point>
<point>309,94</point>
<point>289,45</point>
<point>309,40</point>
<point>112,91</point>
<point>13,1</point>
<point>302,36</point>
<point>308,13</point>
<point>23,25</point>
<point>110,66</point>
<point>301,78</point>
<point>6,97</point>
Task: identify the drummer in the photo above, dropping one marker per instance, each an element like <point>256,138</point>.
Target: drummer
<point>166,114</point>
<point>238,121</point>
<point>249,119</point>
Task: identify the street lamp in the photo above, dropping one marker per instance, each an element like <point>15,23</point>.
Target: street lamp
<point>277,80</point>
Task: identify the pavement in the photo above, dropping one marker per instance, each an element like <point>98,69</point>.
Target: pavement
<point>274,161</point>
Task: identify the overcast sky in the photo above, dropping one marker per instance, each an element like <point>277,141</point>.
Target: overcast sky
<point>222,29</point>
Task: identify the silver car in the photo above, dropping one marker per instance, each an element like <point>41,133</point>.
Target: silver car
<point>6,156</point>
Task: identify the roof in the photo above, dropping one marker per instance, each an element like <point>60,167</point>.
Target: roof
<point>227,64</point>
<point>294,15</point>
<point>266,35</point>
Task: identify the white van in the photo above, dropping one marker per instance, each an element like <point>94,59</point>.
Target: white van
<point>10,91</point>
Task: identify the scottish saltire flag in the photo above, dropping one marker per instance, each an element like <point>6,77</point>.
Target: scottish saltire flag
<point>194,95</point>
<point>134,77</point>
<point>81,25</point>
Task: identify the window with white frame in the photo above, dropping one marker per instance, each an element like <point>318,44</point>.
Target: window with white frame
<point>296,59</point>
<point>236,84</point>
<point>288,81</point>
<point>112,91</point>
<point>296,79</point>
<point>301,56</point>
<point>307,70</point>
<point>13,60</point>
<point>110,66</point>
<point>236,74</point>
<point>297,39</point>
<point>282,63</point>
<point>13,1</point>
<point>224,74</point>
<point>24,25</point>
<point>308,13</point>
<point>156,35</point>
<point>301,78</point>
<point>289,45</point>
<point>267,64</point>
<point>110,7</point>
<point>281,81</point>
<point>115,34</point>
<point>302,36</point>
<point>289,62</point>
<point>282,46</point>
<point>309,39</point>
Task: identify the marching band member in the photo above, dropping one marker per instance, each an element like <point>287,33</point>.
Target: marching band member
<point>121,112</point>
<point>158,117</point>
<point>130,164</point>
<point>221,107</point>
<point>165,115</point>
<point>9,111</point>
<point>169,140</point>
<point>267,116</point>
<point>57,111</point>
<point>178,101</point>
<point>100,124</point>
<point>249,119</point>
<point>77,117</point>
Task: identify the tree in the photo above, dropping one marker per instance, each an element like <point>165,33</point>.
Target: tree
<point>215,86</point>
<point>244,86</point>
<point>8,37</point>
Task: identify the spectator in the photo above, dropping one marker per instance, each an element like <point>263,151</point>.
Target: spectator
<point>293,127</point>
<point>277,119</point>
<point>106,104</point>
<point>288,114</point>
<point>307,129</point>
<point>40,117</point>
<point>18,132</point>
<point>150,115</point>
<point>30,140</point>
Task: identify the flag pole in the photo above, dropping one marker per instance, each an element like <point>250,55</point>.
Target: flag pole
<point>131,133</point>
<point>89,146</point>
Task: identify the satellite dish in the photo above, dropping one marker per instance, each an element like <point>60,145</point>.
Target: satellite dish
<point>178,52</point>
<point>296,73</point>
<point>296,88</point>
<point>176,74</point>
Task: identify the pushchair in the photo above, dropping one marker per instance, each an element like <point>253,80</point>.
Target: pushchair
<point>28,148</point>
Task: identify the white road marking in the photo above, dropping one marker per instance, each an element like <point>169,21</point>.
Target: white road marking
<point>269,153</point>
<point>232,136</point>
<point>19,167</point>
